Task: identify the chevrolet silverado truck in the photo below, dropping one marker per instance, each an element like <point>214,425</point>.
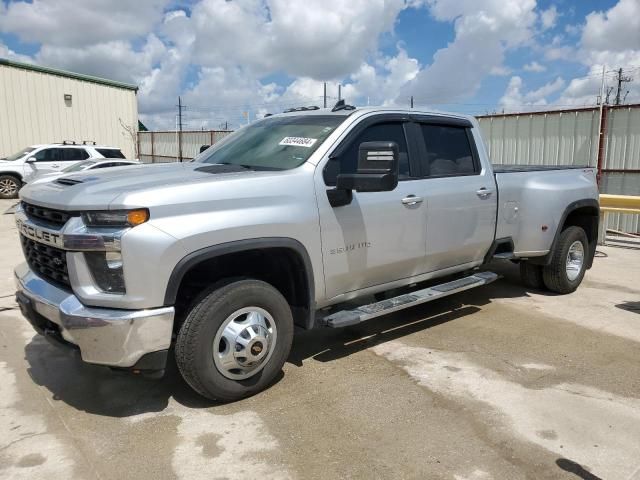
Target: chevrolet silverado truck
<point>311,218</point>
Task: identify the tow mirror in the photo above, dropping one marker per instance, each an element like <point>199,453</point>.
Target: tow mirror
<point>378,169</point>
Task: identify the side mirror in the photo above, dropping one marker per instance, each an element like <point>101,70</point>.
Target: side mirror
<point>378,169</point>
<point>204,147</point>
<point>30,160</point>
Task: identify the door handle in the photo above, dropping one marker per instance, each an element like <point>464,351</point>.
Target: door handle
<point>412,200</point>
<point>484,193</point>
<point>55,165</point>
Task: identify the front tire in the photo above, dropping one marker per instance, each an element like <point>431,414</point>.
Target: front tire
<point>9,186</point>
<point>568,262</point>
<point>235,340</point>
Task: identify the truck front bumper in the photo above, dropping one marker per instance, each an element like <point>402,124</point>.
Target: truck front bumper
<point>105,336</point>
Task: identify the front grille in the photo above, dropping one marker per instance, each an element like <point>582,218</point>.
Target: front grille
<point>48,215</point>
<point>45,261</point>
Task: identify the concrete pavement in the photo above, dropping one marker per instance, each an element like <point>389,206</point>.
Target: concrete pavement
<point>494,383</point>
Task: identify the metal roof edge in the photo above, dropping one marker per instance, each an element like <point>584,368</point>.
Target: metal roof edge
<point>66,74</point>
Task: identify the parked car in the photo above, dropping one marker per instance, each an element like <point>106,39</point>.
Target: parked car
<point>85,165</point>
<point>19,168</point>
<point>290,220</point>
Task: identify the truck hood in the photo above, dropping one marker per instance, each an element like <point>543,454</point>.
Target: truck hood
<point>93,190</point>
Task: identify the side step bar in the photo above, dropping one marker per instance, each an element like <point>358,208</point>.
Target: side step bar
<point>345,318</point>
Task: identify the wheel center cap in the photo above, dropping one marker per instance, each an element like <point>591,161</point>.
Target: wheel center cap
<point>256,348</point>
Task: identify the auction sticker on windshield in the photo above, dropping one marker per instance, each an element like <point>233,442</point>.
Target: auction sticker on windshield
<point>298,141</point>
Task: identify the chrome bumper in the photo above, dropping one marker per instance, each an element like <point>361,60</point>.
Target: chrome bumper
<point>117,338</point>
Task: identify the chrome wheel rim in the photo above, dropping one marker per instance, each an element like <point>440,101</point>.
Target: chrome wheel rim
<point>244,343</point>
<point>575,260</point>
<point>8,186</point>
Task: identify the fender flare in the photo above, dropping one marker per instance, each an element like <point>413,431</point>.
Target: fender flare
<point>207,253</point>
<point>573,206</point>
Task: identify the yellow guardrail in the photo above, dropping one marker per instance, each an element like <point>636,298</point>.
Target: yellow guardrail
<point>615,204</point>
<point>619,203</point>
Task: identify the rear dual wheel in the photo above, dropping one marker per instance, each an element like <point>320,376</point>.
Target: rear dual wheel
<point>567,267</point>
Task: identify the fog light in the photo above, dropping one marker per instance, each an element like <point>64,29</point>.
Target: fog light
<point>106,270</point>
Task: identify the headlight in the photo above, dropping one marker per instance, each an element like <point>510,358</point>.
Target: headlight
<point>116,218</point>
<point>106,269</point>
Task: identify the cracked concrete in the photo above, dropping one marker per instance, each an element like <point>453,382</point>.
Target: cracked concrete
<point>494,383</point>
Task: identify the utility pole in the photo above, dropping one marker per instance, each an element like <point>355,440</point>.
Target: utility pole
<point>325,95</point>
<point>411,101</point>
<point>180,108</point>
<point>339,92</point>
<point>621,79</point>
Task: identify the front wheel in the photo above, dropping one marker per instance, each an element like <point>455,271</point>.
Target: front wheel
<point>235,340</point>
<point>568,262</point>
<point>9,186</point>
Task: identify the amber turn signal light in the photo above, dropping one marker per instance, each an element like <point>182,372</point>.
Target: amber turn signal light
<point>137,217</point>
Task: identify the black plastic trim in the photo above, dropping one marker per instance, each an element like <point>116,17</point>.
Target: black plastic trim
<point>191,260</point>
<point>438,120</point>
<point>494,246</point>
<point>152,361</point>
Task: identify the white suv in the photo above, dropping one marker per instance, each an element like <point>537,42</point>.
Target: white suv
<point>18,168</point>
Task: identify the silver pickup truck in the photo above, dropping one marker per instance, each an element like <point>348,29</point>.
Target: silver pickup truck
<point>300,219</point>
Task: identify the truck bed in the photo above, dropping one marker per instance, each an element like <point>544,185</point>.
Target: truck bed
<point>532,201</point>
<point>533,168</point>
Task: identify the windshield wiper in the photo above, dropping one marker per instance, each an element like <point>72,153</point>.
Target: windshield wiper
<point>246,167</point>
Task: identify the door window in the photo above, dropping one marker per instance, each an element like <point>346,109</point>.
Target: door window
<point>347,162</point>
<point>73,154</point>
<point>48,155</point>
<point>448,151</point>
<point>110,152</point>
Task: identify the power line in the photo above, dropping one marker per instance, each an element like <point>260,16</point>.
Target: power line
<point>621,79</point>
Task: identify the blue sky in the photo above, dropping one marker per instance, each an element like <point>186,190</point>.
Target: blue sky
<point>227,58</point>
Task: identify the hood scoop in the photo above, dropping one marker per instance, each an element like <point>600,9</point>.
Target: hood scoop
<point>68,181</point>
<point>221,168</point>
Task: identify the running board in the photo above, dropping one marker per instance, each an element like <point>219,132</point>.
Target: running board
<point>347,318</point>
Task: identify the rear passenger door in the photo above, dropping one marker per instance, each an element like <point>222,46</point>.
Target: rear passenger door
<point>460,195</point>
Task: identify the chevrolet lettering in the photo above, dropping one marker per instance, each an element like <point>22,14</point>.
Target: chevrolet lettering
<point>39,234</point>
<point>309,218</point>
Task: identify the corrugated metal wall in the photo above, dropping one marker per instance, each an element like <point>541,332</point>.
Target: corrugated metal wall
<point>159,147</point>
<point>571,138</point>
<point>565,138</point>
<point>33,111</point>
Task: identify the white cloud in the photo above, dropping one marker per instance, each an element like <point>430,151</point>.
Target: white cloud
<point>549,17</point>
<point>222,56</point>
<point>534,67</point>
<point>6,52</point>
<point>515,99</point>
<point>610,38</point>
<point>323,40</point>
<point>74,23</point>
<point>485,30</point>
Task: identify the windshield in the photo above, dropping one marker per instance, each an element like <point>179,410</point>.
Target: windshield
<point>275,143</point>
<point>76,167</point>
<point>20,154</point>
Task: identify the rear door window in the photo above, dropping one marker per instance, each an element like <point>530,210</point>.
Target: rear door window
<point>110,152</point>
<point>72,154</point>
<point>449,151</point>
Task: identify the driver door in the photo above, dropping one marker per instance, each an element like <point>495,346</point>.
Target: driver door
<point>380,236</point>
